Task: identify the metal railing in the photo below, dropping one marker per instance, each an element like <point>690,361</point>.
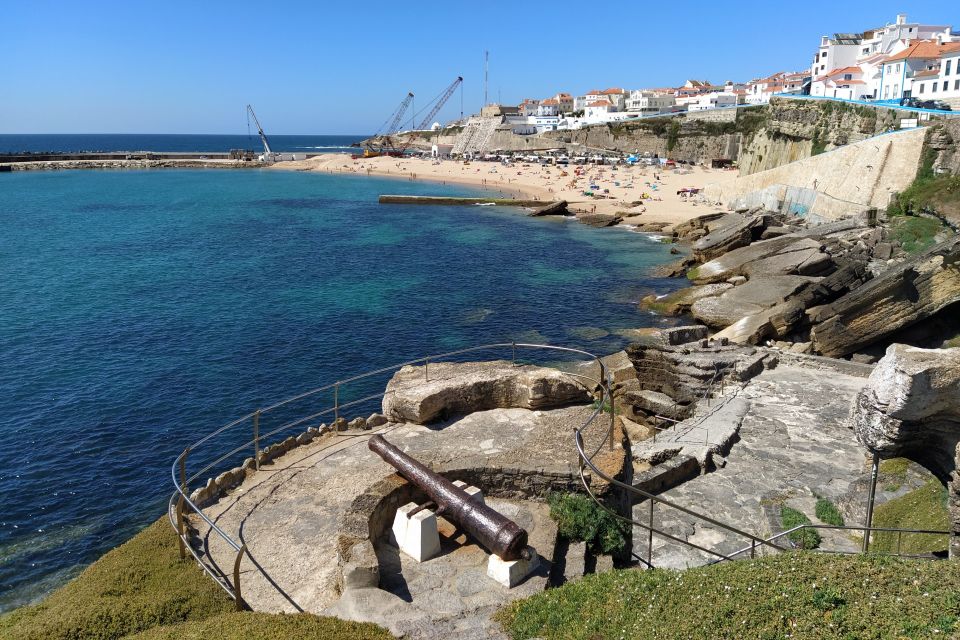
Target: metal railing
<point>180,503</point>
<point>866,532</point>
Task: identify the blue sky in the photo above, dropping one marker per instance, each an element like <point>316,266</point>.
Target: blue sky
<point>342,67</point>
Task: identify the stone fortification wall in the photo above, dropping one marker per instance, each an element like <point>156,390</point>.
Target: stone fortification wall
<point>843,182</point>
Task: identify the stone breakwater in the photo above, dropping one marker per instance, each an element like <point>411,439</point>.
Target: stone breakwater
<point>63,165</point>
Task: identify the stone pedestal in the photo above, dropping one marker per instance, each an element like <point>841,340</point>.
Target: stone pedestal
<point>475,494</point>
<point>416,536</point>
<point>511,573</point>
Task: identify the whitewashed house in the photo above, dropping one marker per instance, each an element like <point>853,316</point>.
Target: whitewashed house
<point>916,71</point>
<point>649,102</point>
<point>714,100</point>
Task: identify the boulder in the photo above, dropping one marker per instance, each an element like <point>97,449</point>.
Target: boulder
<point>785,255</point>
<point>684,372</point>
<point>599,219</point>
<point>699,225</point>
<point>451,388</point>
<point>669,336</point>
<point>910,407</point>
<point>750,298</point>
<point>679,302</point>
<point>376,420</point>
<point>732,231</point>
<point>552,209</point>
<point>897,298</point>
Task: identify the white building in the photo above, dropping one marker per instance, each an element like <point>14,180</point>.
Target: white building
<point>949,78</point>
<point>596,111</point>
<point>714,100</point>
<point>548,107</point>
<point>846,83</point>
<point>564,101</point>
<point>919,71</point>
<point>529,107</point>
<point>649,102</point>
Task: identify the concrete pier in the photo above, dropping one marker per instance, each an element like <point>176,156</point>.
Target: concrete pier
<point>443,200</point>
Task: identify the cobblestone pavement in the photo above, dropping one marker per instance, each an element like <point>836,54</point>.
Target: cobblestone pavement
<point>795,440</point>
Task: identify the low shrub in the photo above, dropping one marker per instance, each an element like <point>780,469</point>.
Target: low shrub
<point>578,517</point>
<point>827,512</point>
<point>804,538</point>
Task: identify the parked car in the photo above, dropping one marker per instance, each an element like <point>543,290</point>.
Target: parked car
<point>910,102</point>
<point>941,105</point>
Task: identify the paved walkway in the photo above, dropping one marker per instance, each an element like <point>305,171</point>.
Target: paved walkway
<point>795,440</point>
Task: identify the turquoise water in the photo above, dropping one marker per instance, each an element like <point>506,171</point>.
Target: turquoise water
<point>140,309</point>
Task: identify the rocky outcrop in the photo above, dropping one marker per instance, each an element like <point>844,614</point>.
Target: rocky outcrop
<point>910,407</point>
<point>552,209</point>
<point>424,394</point>
<point>899,297</point>
<point>679,302</point>
<point>747,299</point>
<point>728,233</point>
<point>599,219</point>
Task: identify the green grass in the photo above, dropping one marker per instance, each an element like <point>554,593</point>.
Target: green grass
<point>143,585</point>
<point>578,517</point>
<point>827,512</point>
<point>804,538</point>
<point>893,473</point>
<point>265,626</point>
<point>929,191</point>
<point>923,508</point>
<point>916,234</point>
<point>790,595</point>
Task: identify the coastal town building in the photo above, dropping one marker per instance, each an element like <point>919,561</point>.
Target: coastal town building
<point>650,102</point>
<point>713,100</point>
<point>918,71</point>
<point>564,102</point>
<point>495,110</point>
<point>847,83</point>
<point>548,107</point>
<point>597,110</point>
<point>761,90</point>
<point>529,107</point>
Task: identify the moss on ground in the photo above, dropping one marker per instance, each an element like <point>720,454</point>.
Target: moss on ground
<point>796,595</point>
<point>923,508</point>
<point>893,473</point>
<point>828,513</point>
<point>141,585</point>
<point>578,517</point>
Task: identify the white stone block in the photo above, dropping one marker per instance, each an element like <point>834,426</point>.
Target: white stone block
<point>474,492</point>
<point>511,573</point>
<point>418,536</point>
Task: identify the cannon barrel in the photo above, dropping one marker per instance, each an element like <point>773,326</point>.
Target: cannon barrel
<point>497,533</point>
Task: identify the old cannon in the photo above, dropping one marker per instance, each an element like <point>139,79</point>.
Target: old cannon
<point>498,534</point>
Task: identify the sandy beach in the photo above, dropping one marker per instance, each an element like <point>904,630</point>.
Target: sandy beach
<point>641,194</point>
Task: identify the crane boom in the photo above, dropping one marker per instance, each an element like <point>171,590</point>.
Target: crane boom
<point>263,136</point>
<point>398,115</point>
<point>441,100</point>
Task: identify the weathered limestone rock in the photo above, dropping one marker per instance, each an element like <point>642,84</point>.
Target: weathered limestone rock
<point>679,302</point>
<point>599,219</point>
<point>910,407</point>
<point>376,420</point>
<point>785,255</point>
<point>669,336</point>
<point>750,298</point>
<point>699,224</point>
<point>552,209</point>
<point>731,232</point>
<point>450,388</point>
<point>683,372</point>
<point>897,298</point>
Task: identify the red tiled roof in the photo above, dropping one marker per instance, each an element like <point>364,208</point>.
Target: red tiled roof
<point>550,101</point>
<point>837,72</point>
<point>925,49</point>
<point>600,103</point>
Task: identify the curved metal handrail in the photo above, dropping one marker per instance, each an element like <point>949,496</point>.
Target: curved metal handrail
<point>180,502</point>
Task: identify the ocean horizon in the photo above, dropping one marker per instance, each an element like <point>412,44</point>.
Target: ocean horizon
<point>173,142</point>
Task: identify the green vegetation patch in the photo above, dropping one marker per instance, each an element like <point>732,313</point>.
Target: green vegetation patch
<point>923,508</point>
<point>264,626</point>
<point>143,584</point>
<point>916,234</point>
<point>893,473</point>
<point>578,517</point>
<point>929,191</point>
<point>827,512</point>
<point>804,538</point>
<point>796,595</point>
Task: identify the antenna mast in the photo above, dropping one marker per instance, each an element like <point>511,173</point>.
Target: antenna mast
<point>486,75</point>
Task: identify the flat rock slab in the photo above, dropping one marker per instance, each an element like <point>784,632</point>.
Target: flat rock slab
<point>424,394</point>
<point>795,439</point>
<point>727,233</point>
<point>599,219</point>
<point>679,302</point>
<point>747,299</point>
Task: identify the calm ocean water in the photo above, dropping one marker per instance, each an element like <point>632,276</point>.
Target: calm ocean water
<point>141,309</point>
<point>36,143</point>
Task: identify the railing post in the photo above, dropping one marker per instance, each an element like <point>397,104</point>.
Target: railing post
<point>613,414</point>
<point>753,548</point>
<point>873,491</point>
<point>256,439</point>
<point>238,596</point>
<point>336,400</point>
<point>650,537</point>
<point>514,359</point>
<point>181,527</point>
